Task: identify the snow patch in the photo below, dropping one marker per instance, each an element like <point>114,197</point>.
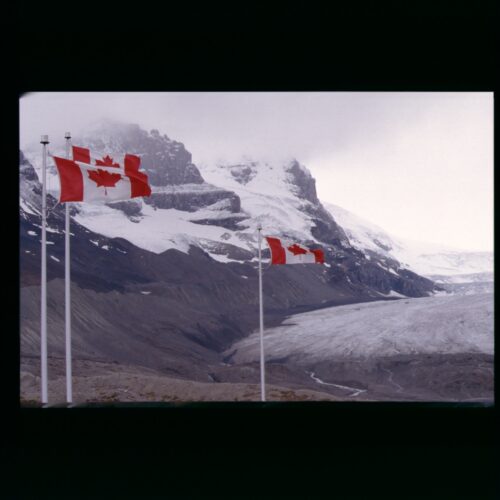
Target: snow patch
<point>222,258</point>
<point>49,229</point>
<point>27,208</point>
<point>393,293</point>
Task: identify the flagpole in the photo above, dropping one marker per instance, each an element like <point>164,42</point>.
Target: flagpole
<point>261,314</point>
<point>43,312</point>
<point>67,290</point>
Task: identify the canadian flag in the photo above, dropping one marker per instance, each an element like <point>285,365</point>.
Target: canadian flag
<point>285,252</point>
<point>90,179</point>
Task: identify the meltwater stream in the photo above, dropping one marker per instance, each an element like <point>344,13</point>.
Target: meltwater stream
<point>355,393</point>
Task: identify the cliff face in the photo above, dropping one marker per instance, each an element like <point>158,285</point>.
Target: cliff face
<point>167,162</point>
<point>303,181</point>
<point>176,181</point>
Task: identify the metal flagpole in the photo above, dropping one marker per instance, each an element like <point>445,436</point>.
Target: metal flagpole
<point>261,311</point>
<point>43,313</point>
<point>67,295</point>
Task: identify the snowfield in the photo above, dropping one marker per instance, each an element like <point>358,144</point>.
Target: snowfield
<point>159,230</point>
<point>449,325</point>
<point>268,196</point>
<point>423,258</point>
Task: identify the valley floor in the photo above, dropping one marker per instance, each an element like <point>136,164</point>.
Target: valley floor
<point>436,349</point>
<point>95,382</point>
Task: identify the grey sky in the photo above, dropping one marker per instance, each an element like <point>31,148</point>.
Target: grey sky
<point>420,165</point>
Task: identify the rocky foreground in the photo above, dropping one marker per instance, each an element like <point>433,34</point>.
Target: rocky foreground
<point>109,383</point>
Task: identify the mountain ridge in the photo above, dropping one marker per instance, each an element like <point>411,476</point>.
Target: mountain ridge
<point>222,207</point>
<point>427,259</point>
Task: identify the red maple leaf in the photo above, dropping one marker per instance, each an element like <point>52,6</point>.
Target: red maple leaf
<point>106,161</point>
<point>104,178</point>
<point>296,250</point>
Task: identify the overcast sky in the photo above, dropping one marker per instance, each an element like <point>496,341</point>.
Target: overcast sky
<point>420,165</point>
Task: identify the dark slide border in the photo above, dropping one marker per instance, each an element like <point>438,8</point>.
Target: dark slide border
<point>309,450</point>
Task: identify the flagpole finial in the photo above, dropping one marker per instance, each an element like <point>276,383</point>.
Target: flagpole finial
<point>67,135</point>
<point>44,139</point>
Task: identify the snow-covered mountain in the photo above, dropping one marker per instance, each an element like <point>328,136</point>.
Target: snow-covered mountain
<point>218,208</point>
<point>182,210</point>
<point>427,259</point>
<point>220,216</point>
<point>281,197</point>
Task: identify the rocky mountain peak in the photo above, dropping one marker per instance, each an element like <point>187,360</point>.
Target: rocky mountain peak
<point>274,173</point>
<point>176,182</point>
<point>303,181</point>
<point>167,162</point>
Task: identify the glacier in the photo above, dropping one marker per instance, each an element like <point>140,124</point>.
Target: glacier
<point>428,325</point>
